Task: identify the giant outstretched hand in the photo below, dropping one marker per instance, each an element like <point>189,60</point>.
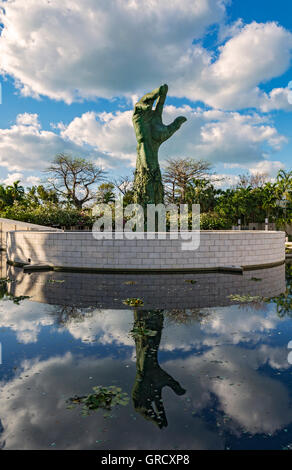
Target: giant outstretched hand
<point>147,394</point>
<point>148,122</point>
<point>150,134</point>
<point>150,377</point>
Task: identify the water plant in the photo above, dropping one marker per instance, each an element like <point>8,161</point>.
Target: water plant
<point>133,302</point>
<point>102,398</point>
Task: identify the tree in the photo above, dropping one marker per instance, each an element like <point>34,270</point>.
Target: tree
<point>16,191</point>
<point>247,203</point>
<point>284,194</point>
<point>234,204</point>
<point>5,199</point>
<point>202,192</point>
<point>125,185</point>
<point>269,199</point>
<point>179,173</point>
<point>38,195</point>
<point>105,193</point>
<point>254,181</point>
<point>10,194</point>
<point>72,178</point>
<point>284,184</point>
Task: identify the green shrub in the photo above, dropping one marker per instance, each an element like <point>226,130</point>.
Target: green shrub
<point>48,215</point>
<point>212,221</point>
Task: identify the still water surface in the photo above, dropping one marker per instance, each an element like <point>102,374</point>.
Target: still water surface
<point>202,364</point>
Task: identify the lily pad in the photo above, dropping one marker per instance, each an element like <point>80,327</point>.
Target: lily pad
<point>105,398</point>
<point>133,302</point>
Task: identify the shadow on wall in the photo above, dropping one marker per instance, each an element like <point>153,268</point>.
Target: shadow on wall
<point>8,225</point>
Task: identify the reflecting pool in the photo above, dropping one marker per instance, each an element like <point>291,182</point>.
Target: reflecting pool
<point>186,361</point>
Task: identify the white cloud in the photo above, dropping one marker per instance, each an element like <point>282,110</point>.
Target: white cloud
<point>36,414</point>
<point>69,51</point>
<point>109,326</point>
<point>268,167</point>
<point>237,140</point>
<point>27,322</point>
<point>11,178</point>
<point>33,180</point>
<point>214,135</point>
<point>110,133</point>
<point>239,386</point>
<point>24,180</point>
<point>26,146</point>
<point>275,100</point>
<point>257,53</point>
<point>27,119</point>
<point>223,180</point>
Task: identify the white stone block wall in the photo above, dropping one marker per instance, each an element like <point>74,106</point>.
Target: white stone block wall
<point>216,249</point>
<point>7,225</point>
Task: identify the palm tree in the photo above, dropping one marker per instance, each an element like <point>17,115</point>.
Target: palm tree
<point>5,199</point>
<point>16,191</point>
<point>284,192</point>
<point>269,198</point>
<point>284,184</point>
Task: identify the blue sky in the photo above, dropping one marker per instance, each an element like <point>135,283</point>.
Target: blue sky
<point>71,72</point>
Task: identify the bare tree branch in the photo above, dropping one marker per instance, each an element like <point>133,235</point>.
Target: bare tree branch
<point>72,177</point>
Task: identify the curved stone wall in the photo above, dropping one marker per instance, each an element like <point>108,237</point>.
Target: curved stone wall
<point>7,225</point>
<point>82,250</point>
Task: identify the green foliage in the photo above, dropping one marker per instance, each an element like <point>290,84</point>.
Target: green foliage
<point>133,302</point>
<point>105,193</point>
<point>49,214</point>
<point>246,299</point>
<point>5,295</point>
<point>213,221</point>
<point>254,204</point>
<point>38,195</point>
<point>105,398</point>
<point>283,302</point>
<point>202,191</point>
<point>220,209</point>
<point>140,331</point>
<point>10,194</point>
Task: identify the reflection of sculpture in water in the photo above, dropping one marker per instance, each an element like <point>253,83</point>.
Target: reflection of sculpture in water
<point>150,377</point>
<point>150,134</point>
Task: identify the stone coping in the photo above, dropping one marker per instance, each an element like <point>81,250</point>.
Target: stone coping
<point>220,269</point>
<point>89,232</point>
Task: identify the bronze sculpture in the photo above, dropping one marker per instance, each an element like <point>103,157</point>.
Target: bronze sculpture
<point>150,134</point>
